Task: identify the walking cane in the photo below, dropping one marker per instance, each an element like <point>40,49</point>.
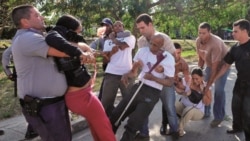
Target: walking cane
<point>160,57</point>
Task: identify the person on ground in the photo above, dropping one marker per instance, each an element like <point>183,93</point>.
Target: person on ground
<point>151,86</point>
<point>119,54</point>
<point>40,86</point>
<point>239,54</point>
<point>79,97</point>
<point>144,24</point>
<point>185,108</point>
<point>211,49</point>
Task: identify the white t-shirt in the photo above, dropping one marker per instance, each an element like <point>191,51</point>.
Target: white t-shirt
<point>149,59</point>
<point>120,62</point>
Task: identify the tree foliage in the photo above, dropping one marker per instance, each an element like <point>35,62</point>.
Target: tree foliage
<point>178,18</point>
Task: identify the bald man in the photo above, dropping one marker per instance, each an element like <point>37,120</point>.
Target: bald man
<point>149,93</point>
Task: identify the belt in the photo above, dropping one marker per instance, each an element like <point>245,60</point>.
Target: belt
<point>46,101</point>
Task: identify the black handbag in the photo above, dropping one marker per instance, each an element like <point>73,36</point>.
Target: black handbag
<point>195,97</point>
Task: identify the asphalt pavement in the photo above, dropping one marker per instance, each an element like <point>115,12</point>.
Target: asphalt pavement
<point>15,127</point>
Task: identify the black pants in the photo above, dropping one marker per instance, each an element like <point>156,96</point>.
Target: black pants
<point>241,107</point>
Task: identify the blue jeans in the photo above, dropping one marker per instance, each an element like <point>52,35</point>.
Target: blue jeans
<point>168,101</point>
<point>219,95</point>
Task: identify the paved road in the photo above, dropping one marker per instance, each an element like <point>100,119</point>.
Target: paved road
<point>195,130</point>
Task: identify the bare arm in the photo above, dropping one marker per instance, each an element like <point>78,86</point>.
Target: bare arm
<point>207,97</point>
<point>132,73</point>
<point>223,69</point>
<point>200,62</point>
<point>214,69</point>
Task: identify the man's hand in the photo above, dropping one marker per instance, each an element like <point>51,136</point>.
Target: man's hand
<point>87,58</point>
<point>149,76</point>
<point>114,50</point>
<point>124,79</point>
<point>11,77</point>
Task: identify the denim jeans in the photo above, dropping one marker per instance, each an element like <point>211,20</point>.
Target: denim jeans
<point>219,95</point>
<point>168,101</point>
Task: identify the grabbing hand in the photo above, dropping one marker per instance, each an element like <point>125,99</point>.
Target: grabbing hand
<point>124,79</point>
<point>87,58</point>
<point>114,50</point>
<point>148,76</point>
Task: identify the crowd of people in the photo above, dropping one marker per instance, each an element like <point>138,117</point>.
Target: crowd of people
<point>52,77</point>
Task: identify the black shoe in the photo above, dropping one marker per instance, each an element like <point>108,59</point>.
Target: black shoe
<point>175,135</point>
<point>30,135</point>
<point>163,130</point>
<point>142,137</point>
<point>1,132</point>
<point>233,131</point>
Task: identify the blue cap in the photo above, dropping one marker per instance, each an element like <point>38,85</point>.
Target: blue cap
<point>106,21</point>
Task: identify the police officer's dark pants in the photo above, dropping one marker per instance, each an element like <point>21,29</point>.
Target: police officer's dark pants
<point>241,107</point>
<point>138,111</point>
<point>53,122</point>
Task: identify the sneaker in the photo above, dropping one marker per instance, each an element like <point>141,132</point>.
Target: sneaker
<point>233,131</point>
<point>30,135</point>
<point>181,132</point>
<point>163,130</point>
<point>1,132</point>
<point>215,123</point>
<point>228,118</point>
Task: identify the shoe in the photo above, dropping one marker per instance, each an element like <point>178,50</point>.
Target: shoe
<point>1,132</point>
<point>142,136</point>
<point>30,135</point>
<point>233,131</point>
<point>163,130</point>
<point>206,116</point>
<point>215,123</point>
<point>228,118</point>
<point>181,132</point>
<point>175,135</point>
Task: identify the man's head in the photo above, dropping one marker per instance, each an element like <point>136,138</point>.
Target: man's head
<point>241,29</point>
<point>144,24</point>
<point>178,51</point>
<point>156,43</point>
<point>118,27</point>
<point>107,22</point>
<point>204,32</point>
<point>27,16</point>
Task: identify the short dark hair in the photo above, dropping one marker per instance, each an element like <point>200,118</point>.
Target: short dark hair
<point>177,45</point>
<point>197,71</point>
<point>144,18</point>
<point>243,24</point>
<point>69,21</point>
<point>20,12</point>
<point>205,25</point>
